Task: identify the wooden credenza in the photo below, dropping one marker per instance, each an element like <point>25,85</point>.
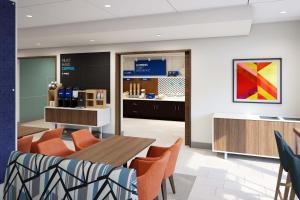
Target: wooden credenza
<point>251,136</point>
<point>89,117</point>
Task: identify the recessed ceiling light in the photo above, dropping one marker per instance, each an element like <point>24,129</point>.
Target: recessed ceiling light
<point>107,6</point>
<point>158,35</point>
<point>92,40</point>
<point>283,12</point>
<point>29,16</point>
<point>38,44</point>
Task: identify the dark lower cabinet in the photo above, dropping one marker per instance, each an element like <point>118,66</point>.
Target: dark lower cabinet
<point>162,110</point>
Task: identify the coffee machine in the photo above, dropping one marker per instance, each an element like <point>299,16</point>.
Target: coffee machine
<point>68,97</point>
<point>81,99</point>
<point>61,96</point>
<point>74,100</point>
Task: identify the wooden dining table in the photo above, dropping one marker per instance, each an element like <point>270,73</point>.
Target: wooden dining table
<point>116,150</point>
<point>297,133</point>
<point>28,130</point>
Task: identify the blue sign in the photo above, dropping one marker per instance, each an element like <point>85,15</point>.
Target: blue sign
<point>150,67</point>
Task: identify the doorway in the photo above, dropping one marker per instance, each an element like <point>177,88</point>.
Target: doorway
<point>35,73</point>
<point>187,89</point>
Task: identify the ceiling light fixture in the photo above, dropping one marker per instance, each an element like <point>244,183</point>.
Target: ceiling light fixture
<point>107,6</point>
<point>158,35</point>
<point>92,40</point>
<point>29,16</point>
<point>283,12</point>
<point>38,44</point>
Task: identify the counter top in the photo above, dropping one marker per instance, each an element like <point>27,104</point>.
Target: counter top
<point>252,117</point>
<point>77,108</point>
<point>178,99</point>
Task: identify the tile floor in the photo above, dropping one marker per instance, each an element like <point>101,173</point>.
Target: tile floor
<point>236,178</point>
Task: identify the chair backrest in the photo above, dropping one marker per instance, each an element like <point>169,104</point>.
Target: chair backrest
<point>37,175</point>
<point>175,148</point>
<point>151,179</point>
<point>48,135</point>
<point>24,144</point>
<point>294,169</point>
<point>53,147</point>
<point>281,147</point>
<point>83,138</point>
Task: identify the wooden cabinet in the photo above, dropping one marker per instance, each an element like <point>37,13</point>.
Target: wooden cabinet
<point>267,143</point>
<point>163,110</point>
<point>254,137</point>
<point>235,135</point>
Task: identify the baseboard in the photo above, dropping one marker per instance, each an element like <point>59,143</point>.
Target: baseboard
<point>202,145</point>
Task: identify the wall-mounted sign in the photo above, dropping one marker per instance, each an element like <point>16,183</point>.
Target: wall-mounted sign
<point>150,67</point>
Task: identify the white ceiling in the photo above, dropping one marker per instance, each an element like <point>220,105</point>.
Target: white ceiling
<point>75,22</point>
<point>52,12</point>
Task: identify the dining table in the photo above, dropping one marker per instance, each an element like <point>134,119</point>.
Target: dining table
<point>115,150</point>
<point>297,133</point>
<point>28,130</point>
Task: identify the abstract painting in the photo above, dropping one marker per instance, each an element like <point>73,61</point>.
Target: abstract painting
<point>257,80</point>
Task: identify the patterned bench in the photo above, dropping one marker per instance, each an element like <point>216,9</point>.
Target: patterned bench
<point>36,176</point>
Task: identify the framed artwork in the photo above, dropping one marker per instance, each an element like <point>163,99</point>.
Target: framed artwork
<point>257,80</point>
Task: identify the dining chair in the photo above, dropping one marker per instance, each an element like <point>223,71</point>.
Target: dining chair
<point>155,151</point>
<point>83,139</point>
<point>51,134</point>
<point>54,147</point>
<point>24,144</point>
<point>150,173</point>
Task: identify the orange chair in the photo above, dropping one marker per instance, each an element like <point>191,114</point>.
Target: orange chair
<point>83,138</point>
<point>54,147</point>
<point>24,144</point>
<point>55,133</point>
<point>155,151</point>
<point>150,174</point>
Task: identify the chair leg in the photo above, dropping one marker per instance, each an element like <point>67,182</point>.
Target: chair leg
<point>292,196</point>
<point>156,198</point>
<point>171,179</point>
<point>277,191</point>
<point>164,189</point>
<point>287,187</point>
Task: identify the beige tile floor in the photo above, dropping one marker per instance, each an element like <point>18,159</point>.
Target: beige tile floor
<point>236,178</point>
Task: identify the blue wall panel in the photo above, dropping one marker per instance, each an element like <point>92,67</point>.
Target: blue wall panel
<point>7,82</point>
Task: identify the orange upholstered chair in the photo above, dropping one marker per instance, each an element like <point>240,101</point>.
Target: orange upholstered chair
<point>55,133</point>
<point>54,147</point>
<point>83,139</point>
<point>24,144</point>
<point>155,151</point>
<point>150,174</point>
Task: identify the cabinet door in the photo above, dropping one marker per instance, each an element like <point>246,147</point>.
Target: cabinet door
<point>267,144</point>
<point>233,135</point>
<point>180,111</point>
<point>289,134</point>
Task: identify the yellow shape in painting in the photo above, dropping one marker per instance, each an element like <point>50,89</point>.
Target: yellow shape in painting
<point>264,93</point>
<point>251,65</point>
<point>270,73</point>
<point>253,97</point>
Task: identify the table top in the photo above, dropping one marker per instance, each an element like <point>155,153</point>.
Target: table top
<point>28,130</point>
<point>297,131</point>
<point>116,150</point>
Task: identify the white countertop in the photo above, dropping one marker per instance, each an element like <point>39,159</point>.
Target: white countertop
<point>251,117</point>
<point>180,99</point>
<point>77,108</point>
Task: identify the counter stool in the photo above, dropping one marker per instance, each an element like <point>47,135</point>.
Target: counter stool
<point>284,165</point>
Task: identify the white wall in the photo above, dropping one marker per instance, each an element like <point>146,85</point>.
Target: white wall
<point>212,70</point>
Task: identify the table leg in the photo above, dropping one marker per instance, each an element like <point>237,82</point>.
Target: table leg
<point>125,165</point>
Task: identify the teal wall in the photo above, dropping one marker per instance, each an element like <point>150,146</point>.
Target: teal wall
<point>35,75</point>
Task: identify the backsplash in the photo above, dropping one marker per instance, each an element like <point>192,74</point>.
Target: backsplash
<point>174,86</point>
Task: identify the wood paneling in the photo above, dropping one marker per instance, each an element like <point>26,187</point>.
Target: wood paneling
<point>267,143</point>
<point>151,85</point>
<point>289,134</point>
<point>118,95</point>
<point>117,150</point>
<point>188,93</point>
<point>81,117</point>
